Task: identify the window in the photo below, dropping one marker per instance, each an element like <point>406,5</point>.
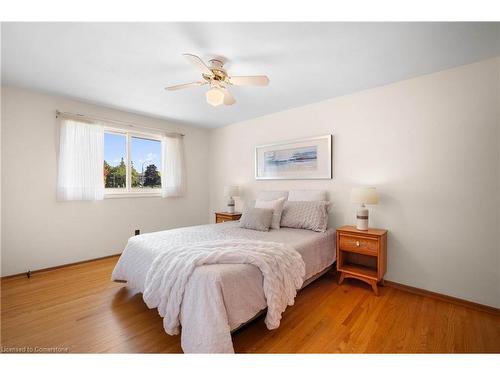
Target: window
<point>132,162</point>
<point>115,159</point>
<point>146,163</point>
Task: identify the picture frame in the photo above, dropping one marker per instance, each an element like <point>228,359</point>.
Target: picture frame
<point>299,159</point>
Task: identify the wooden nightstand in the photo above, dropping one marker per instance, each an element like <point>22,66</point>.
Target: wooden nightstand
<point>221,217</point>
<point>362,254</point>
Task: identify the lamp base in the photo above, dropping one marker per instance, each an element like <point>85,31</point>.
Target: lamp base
<point>362,218</point>
<point>230,205</point>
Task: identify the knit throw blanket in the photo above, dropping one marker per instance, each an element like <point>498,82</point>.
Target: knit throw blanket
<point>282,268</point>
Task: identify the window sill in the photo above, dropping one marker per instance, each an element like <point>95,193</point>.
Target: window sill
<point>128,194</point>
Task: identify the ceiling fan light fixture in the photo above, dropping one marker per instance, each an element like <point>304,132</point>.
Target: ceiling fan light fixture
<point>217,77</point>
<point>215,96</point>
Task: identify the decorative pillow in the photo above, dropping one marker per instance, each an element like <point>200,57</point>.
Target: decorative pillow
<point>276,206</point>
<point>309,195</point>
<point>305,215</point>
<point>257,219</point>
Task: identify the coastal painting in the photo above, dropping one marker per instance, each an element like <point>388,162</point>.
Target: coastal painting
<point>309,158</point>
<point>295,159</point>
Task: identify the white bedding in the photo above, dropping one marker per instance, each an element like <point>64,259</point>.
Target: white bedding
<point>219,295</point>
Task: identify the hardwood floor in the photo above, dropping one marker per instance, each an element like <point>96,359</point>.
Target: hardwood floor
<point>80,309</point>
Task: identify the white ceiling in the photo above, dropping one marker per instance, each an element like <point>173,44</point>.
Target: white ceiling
<point>127,65</point>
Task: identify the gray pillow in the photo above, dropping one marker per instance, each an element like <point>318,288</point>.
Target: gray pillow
<point>257,219</point>
<point>276,206</point>
<point>305,215</point>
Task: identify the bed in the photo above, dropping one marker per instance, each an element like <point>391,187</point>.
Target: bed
<point>220,298</point>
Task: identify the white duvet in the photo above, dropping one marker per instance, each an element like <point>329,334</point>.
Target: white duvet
<point>218,298</point>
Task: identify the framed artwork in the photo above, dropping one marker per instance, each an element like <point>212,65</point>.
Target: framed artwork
<point>308,158</point>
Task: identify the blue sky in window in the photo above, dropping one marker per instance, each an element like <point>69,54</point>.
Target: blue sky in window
<point>144,151</point>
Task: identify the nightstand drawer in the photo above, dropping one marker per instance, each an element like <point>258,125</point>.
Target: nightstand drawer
<point>361,245</point>
<point>222,217</point>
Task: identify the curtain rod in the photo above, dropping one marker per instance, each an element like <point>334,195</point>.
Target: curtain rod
<point>129,124</point>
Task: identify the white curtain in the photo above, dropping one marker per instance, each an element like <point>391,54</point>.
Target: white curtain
<point>81,161</point>
<point>173,175</point>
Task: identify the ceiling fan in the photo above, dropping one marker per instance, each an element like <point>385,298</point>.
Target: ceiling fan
<point>216,76</point>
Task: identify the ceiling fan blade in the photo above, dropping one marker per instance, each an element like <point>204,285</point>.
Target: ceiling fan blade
<point>228,97</point>
<point>249,80</point>
<point>185,86</point>
<point>198,64</point>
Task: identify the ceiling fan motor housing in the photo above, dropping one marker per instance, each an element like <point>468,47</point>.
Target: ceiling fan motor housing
<point>219,73</point>
<point>219,76</point>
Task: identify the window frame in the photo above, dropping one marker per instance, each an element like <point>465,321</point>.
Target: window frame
<point>129,191</point>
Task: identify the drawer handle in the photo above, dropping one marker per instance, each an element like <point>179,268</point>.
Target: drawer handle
<point>357,243</point>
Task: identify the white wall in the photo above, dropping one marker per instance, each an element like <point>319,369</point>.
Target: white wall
<point>39,231</point>
<point>431,147</point>
<point>498,187</point>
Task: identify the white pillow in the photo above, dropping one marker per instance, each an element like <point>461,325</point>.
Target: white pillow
<point>307,195</point>
<point>272,195</point>
<point>276,206</point>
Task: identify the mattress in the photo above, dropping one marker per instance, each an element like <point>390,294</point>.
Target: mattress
<point>238,285</point>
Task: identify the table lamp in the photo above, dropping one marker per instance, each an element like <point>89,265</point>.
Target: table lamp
<point>363,195</point>
<point>231,191</point>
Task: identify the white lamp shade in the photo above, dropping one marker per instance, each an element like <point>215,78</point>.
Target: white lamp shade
<point>215,96</point>
<point>366,195</point>
<point>231,191</point>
